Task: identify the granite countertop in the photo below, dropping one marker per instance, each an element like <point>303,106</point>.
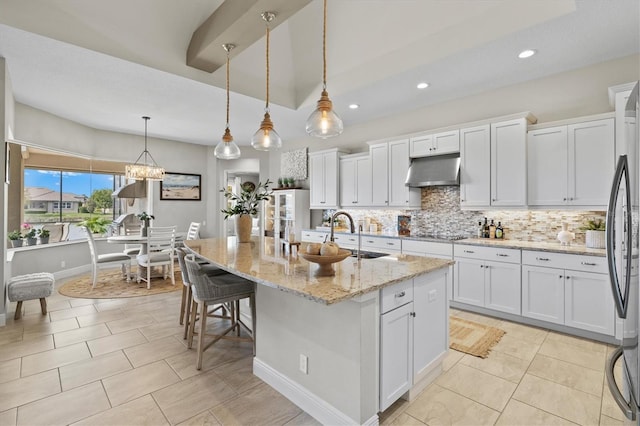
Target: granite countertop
<point>555,247</point>
<point>264,262</point>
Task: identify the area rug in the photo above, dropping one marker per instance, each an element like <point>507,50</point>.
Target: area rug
<point>111,284</point>
<point>472,338</point>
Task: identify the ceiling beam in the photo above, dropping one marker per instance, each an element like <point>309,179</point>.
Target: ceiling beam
<point>238,22</point>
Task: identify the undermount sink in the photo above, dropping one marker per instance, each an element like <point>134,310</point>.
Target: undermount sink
<point>368,254</point>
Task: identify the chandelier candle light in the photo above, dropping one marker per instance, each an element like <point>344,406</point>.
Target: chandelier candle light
<point>266,138</point>
<point>324,122</point>
<point>148,170</point>
<point>227,148</point>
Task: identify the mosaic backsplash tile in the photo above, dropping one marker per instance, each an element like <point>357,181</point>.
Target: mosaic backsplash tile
<point>441,215</point>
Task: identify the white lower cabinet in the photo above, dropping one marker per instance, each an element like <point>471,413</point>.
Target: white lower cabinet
<point>543,293</point>
<point>414,333</point>
<point>440,250</point>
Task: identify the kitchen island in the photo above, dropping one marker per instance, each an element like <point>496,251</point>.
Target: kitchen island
<point>341,347</point>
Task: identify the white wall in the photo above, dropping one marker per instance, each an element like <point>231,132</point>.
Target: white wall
<point>7,111</point>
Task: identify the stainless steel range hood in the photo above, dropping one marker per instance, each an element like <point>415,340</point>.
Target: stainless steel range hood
<point>434,171</point>
<point>137,189</point>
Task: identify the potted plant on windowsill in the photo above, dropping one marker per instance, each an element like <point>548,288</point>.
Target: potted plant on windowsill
<point>43,234</point>
<point>595,233</point>
<point>16,238</point>
<point>96,225</point>
<point>245,206</point>
<point>30,236</point>
<point>145,218</point>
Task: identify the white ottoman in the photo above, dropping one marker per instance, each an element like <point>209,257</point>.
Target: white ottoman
<point>29,287</point>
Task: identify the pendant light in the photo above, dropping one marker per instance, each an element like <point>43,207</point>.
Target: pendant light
<point>148,169</point>
<point>324,122</point>
<point>227,148</point>
<point>266,138</point>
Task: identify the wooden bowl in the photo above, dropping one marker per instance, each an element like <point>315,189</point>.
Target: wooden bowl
<point>325,263</point>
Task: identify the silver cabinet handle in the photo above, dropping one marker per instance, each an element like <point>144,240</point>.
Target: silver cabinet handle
<point>589,264</point>
<point>369,241</point>
<point>544,259</point>
<point>469,251</point>
<point>560,276</point>
<point>482,266</point>
<point>624,405</point>
<point>401,294</point>
<point>502,255</point>
<point>493,199</point>
<point>391,244</point>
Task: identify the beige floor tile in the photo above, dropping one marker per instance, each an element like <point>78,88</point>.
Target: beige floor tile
<point>482,319</point>
<point>391,413</point>
<point>517,347</point>
<point>155,350</point>
<point>560,400</point>
<point>43,329</point>
<point>141,411</point>
<point>498,364</point>
<point>163,329</point>
<point>22,391</point>
<point>303,419</point>
<point>81,334</point>
<point>133,384</point>
<point>608,421</point>
<point>518,413</point>
<point>11,336</point>
<point>25,320</point>
<point>81,302</point>
<point>187,398</point>
<point>90,370</point>
<point>54,358</point>
<point>202,419</point>
<point>439,406</point>
<point>111,305</point>
<point>26,347</point>
<point>10,370</point>
<point>72,312</point>
<point>33,306</point>
<point>573,354</point>
<point>78,403</point>
<point>130,322</point>
<point>9,417</point>
<point>115,342</point>
<point>571,375</point>
<point>99,317</point>
<point>524,332</point>
<point>238,374</point>
<point>451,359</point>
<point>406,420</point>
<point>265,403</point>
<point>609,407</point>
<point>585,344</point>
<point>221,352</point>
<point>477,385</point>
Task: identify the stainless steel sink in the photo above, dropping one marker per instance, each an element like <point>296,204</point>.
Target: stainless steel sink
<point>368,254</point>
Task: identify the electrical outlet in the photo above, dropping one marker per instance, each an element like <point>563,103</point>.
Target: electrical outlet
<point>304,364</point>
<point>63,263</point>
<point>433,294</point>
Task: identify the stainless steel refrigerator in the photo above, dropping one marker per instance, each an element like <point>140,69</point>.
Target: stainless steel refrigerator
<point>622,258</point>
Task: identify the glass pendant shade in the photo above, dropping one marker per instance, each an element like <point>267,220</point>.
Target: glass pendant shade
<point>227,148</point>
<point>324,122</point>
<point>266,138</point>
<point>147,169</point>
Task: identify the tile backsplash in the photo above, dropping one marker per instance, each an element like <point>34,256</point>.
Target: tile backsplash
<point>440,214</point>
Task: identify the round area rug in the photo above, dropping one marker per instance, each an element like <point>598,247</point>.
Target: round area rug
<point>111,284</point>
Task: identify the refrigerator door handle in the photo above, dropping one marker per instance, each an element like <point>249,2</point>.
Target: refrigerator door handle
<point>622,172</point>
<point>624,405</point>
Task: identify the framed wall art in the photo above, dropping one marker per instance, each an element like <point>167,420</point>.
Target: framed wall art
<point>181,186</point>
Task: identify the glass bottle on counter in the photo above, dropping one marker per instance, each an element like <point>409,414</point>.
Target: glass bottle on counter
<point>480,229</point>
<point>291,231</point>
<point>499,231</point>
<point>492,230</point>
<point>485,229</point>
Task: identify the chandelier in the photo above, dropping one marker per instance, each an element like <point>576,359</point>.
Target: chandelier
<point>148,169</point>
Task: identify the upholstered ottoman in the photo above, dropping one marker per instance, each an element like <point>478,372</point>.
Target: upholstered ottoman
<point>29,287</point>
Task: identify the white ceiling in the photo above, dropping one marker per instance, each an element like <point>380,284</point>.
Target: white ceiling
<point>107,63</point>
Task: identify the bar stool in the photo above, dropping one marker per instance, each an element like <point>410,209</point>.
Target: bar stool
<point>213,290</point>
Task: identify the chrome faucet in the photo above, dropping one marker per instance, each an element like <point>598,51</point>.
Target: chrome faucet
<point>353,229</point>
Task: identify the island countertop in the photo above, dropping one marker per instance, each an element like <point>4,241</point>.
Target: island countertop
<point>263,261</point>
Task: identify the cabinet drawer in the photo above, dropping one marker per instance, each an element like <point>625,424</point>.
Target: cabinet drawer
<point>391,245</point>
<point>346,240</point>
<point>574,262</point>
<point>496,254</point>
<point>313,236</point>
<point>396,295</point>
<point>427,248</point>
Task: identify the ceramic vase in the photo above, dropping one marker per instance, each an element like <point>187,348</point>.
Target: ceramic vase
<point>16,243</point>
<point>243,228</point>
<point>44,240</point>
<point>565,237</point>
<point>595,239</point>
<point>32,241</point>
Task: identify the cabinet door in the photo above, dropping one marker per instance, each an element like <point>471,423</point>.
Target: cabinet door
<point>364,190</point>
<point>331,180</point>
<point>420,146</point>
<point>502,287</point>
<point>475,166</point>
<point>430,324</point>
<point>591,162</point>
<point>509,163</point>
<point>348,197</point>
<point>446,142</point>
<point>588,302</point>
<point>396,354</point>
<point>468,280</point>
<point>379,174</point>
<point>398,168</point>
<point>316,181</point>
<point>547,159</point>
<point>543,293</point>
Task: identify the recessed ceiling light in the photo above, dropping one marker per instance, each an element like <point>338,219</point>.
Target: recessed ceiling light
<point>354,106</point>
<point>422,85</point>
<point>526,53</point>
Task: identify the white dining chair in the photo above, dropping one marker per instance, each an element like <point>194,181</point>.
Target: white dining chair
<point>194,231</point>
<point>160,251</point>
<point>99,261</point>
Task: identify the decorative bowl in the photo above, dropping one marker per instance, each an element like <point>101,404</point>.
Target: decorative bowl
<point>325,263</point>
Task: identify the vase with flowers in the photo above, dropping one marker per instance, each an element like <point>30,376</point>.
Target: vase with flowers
<point>43,235</point>
<point>16,238</point>
<point>145,218</point>
<point>30,234</point>
<point>245,206</point>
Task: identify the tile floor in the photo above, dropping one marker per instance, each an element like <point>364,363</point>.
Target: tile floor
<point>123,361</point>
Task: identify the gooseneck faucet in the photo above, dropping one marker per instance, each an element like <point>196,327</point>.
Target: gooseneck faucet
<point>353,228</point>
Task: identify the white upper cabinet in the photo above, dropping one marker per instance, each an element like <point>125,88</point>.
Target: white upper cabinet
<point>355,181</point>
<point>389,188</point>
<point>475,166</point>
<point>380,175</point>
<point>434,144</point>
<point>324,179</point>
<point>571,165</point>
<point>509,163</point>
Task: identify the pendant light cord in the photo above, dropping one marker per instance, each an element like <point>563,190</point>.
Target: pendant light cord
<point>324,48</point>
<point>227,89</point>
<point>266,108</point>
